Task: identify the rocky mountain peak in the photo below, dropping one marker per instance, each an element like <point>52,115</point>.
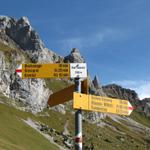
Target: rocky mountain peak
<point>21,32</point>
<point>96,82</point>
<point>5,22</point>
<point>24,36</point>
<point>23,21</point>
<point>74,57</point>
<point>20,43</point>
<point>116,91</point>
<point>96,87</point>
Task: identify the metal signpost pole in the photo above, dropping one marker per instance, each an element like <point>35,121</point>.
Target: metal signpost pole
<point>78,119</point>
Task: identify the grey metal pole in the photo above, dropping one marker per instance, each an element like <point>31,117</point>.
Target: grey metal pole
<point>78,119</point>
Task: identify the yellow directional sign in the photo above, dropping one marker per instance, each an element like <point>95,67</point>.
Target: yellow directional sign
<point>101,104</point>
<point>45,70</point>
<point>63,70</point>
<point>66,94</point>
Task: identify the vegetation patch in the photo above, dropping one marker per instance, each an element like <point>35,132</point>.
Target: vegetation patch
<point>16,135</point>
<point>8,51</point>
<point>56,84</point>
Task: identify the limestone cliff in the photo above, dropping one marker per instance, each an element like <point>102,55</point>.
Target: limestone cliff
<point>20,43</point>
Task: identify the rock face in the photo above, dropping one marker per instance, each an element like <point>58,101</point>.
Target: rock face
<point>28,90</point>
<point>74,57</point>
<point>26,46</point>
<point>97,87</point>
<point>20,43</point>
<point>96,82</point>
<point>116,91</point>
<point>22,33</point>
<point>145,104</point>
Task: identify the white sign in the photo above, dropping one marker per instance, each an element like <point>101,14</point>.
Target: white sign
<point>78,70</point>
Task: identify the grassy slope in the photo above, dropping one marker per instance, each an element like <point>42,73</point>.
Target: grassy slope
<point>16,135</point>
<point>102,138</point>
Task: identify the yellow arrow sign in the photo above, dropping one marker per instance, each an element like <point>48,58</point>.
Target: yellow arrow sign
<point>45,71</point>
<point>66,94</point>
<point>62,70</point>
<point>101,104</point>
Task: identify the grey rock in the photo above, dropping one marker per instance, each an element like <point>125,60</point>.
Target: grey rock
<point>94,117</point>
<point>74,57</point>
<point>95,89</point>
<point>116,91</point>
<point>6,22</point>
<point>96,82</point>
<point>66,132</point>
<point>60,108</point>
<point>145,104</point>
<point>22,33</point>
<point>31,92</point>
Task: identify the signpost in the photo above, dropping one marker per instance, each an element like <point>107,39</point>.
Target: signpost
<point>72,70</point>
<point>62,70</point>
<point>81,101</point>
<point>101,104</point>
<point>78,119</point>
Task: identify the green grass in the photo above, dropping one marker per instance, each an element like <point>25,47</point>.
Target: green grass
<point>8,51</point>
<point>16,135</point>
<point>56,84</point>
<point>5,48</point>
<point>141,118</point>
<point>107,139</point>
<point>102,138</point>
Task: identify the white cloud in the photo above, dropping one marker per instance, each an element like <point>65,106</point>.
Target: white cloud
<point>82,42</point>
<point>91,40</point>
<point>141,87</point>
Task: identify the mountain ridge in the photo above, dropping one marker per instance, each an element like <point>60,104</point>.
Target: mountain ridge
<point>34,93</point>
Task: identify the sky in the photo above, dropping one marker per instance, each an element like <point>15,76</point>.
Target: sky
<point>112,35</point>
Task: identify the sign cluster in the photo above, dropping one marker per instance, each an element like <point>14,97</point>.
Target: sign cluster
<point>62,70</point>
<point>80,101</point>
